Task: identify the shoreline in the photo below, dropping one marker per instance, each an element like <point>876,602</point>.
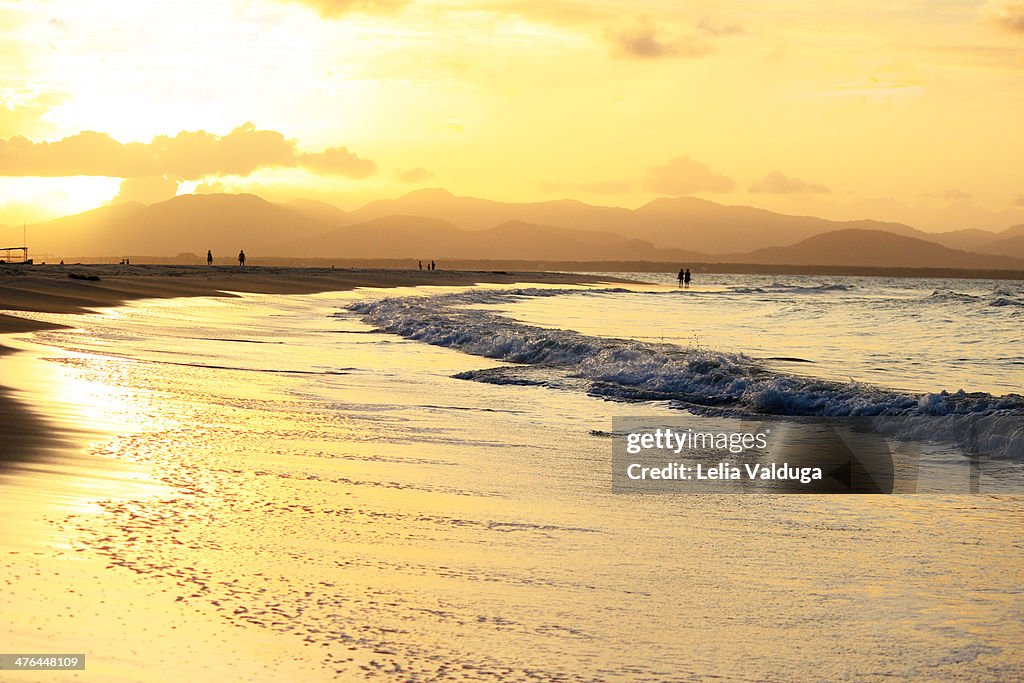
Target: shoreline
<point>294,541</point>
<point>47,471</point>
<point>601,266</point>
<point>50,289</point>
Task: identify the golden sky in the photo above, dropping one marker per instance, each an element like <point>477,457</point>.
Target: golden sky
<point>907,111</point>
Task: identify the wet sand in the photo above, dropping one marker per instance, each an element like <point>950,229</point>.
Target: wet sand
<point>376,517</point>
<point>48,288</point>
<point>250,488</point>
<point>60,599</point>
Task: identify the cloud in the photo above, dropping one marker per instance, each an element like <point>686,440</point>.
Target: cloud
<point>338,161</point>
<point>955,195</point>
<point>21,112</point>
<point>643,40</point>
<point>777,183</point>
<point>716,27</point>
<point>1019,200</point>
<point>210,187</point>
<point>332,9</point>
<point>146,190</point>
<point>187,155</point>
<point>415,175</point>
<point>1008,15</point>
<point>555,12</point>
<point>682,175</point>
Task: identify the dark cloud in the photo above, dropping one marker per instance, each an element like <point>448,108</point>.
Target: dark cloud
<point>332,9</point>
<point>1009,15</point>
<point>778,183</point>
<point>146,190</point>
<point>643,40</point>
<point>683,175</point>
<point>415,175</point>
<point>187,155</point>
<point>194,154</point>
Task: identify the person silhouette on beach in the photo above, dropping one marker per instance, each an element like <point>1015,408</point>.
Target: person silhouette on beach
<point>682,276</point>
<point>433,266</point>
<point>241,259</point>
<point>209,257</point>
<point>686,278</point>
<point>421,265</point>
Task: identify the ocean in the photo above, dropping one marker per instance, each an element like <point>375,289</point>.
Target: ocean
<point>417,482</point>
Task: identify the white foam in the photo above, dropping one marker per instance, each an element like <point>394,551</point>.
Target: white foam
<point>701,380</point>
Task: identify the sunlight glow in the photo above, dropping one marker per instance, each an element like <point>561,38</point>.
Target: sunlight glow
<point>901,103</point>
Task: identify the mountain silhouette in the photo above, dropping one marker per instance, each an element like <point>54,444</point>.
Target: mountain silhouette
<point>471,213</point>
<point>419,237</point>
<point>685,223</point>
<point>435,224</point>
<point>317,210</point>
<point>970,239</point>
<point>223,223</point>
<point>715,228</point>
<point>1008,246</point>
<point>875,248</point>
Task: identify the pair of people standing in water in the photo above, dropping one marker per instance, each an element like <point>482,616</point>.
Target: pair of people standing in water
<point>684,277</point>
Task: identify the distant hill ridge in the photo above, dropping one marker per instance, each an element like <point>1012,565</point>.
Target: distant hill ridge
<point>428,238</point>
<point>187,223</point>
<point>875,248</point>
<point>437,224</point>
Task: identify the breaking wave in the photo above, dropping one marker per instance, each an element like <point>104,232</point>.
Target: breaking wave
<point>998,297</point>
<point>699,380</point>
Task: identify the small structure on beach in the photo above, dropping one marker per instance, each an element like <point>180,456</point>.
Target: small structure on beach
<point>13,260</point>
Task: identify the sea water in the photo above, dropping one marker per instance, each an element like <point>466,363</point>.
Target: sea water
<point>417,482</point>
<point>922,335</point>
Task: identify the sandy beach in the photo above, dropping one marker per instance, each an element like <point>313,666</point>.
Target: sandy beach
<point>268,485</point>
<point>62,598</point>
<point>48,288</point>
<point>718,375</point>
